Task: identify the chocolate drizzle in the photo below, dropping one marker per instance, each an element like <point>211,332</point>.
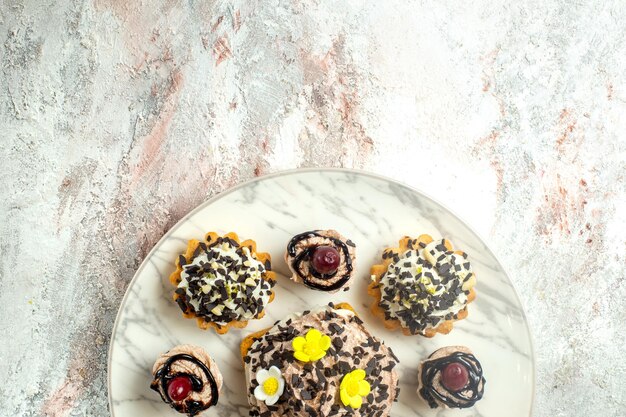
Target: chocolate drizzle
<point>464,398</point>
<point>306,254</point>
<point>163,377</point>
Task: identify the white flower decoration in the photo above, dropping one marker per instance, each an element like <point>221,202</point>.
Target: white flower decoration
<point>271,385</point>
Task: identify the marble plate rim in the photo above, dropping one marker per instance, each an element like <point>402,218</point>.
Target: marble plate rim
<point>243,184</point>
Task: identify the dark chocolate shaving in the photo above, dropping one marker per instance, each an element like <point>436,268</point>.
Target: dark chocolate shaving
<point>315,385</point>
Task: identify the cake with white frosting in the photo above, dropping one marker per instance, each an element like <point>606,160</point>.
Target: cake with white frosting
<point>223,282</point>
<point>422,286</point>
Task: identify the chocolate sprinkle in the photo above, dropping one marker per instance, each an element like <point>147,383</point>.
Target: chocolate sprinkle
<point>313,390</point>
<point>221,277</point>
<point>425,288</point>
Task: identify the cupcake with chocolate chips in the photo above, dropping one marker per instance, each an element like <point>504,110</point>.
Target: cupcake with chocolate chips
<point>187,379</point>
<point>222,282</point>
<point>451,377</point>
<point>423,286</point>
<point>322,260</point>
<point>319,363</point>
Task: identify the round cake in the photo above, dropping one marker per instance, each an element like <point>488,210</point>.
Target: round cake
<point>319,363</point>
<point>187,379</point>
<point>451,377</point>
<point>322,260</point>
<point>423,286</point>
<point>222,282</point>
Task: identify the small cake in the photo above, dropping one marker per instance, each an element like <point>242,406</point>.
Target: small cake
<point>322,260</point>
<point>187,379</point>
<point>451,377</point>
<point>317,364</point>
<point>422,286</point>
<point>222,282</point>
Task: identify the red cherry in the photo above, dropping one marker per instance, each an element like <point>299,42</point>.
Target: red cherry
<point>454,377</point>
<point>179,388</point>
<point>325,259</point>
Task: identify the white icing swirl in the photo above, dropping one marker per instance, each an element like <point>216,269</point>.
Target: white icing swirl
<point>230,286</point>
<point>425,287</point>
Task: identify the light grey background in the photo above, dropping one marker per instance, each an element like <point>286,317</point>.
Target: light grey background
<point>117,117</point>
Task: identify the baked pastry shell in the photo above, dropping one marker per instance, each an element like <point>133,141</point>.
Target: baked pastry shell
<point>378,270</point>
<point>209,238</point>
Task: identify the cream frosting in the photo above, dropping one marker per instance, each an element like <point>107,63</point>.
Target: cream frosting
<point>436,394</point>
<point>312,388</point>
<point>303,273</point>
<point>225,283</point>
<point>426,286</point>
<point>187,367</point>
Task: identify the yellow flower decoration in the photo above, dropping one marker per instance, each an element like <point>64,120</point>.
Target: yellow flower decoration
<point>312,347</point>
<point>353,388</point>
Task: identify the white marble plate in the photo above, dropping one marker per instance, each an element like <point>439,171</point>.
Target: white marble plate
<point>374,212</point>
